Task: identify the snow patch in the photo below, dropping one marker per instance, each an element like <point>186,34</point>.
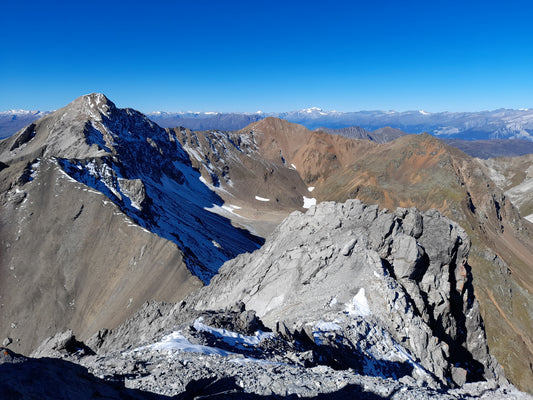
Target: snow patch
<point>192,152</point>
<point>34,168</point>
<point>359,305</point>
<point>311,188</point>
<point>234,339</point>
<point>321,329</point>
<point>135,205</point>
<point>70,178</point>
<point>293,166</point>
<point>225,210</point>
<point>529,217</point>
<point>326,326</point>
<point>308,202</point>
<point>261,198</point>
<point>177,342</point>
<point>404,355</point>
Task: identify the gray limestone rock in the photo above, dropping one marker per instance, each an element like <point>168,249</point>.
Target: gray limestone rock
<point>61,345</point>
<point>360,308</point>
<point>134,190</point>
<point>405,273</point>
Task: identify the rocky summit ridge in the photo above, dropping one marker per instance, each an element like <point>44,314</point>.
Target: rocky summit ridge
<point>345,301</point>
<point>422,171</point>
<point>403,275</point>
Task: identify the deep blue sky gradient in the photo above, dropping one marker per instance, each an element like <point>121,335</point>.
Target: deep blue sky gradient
<point>271,56</point>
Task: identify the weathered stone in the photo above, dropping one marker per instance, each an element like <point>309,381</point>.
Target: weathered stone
<point>394,268</point>
<point>352,325</point>
<point>459,375</point>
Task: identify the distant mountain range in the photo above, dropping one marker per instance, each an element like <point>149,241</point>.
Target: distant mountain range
<point>13,120</point>
<point>476,148</point>
<point>482,125</point>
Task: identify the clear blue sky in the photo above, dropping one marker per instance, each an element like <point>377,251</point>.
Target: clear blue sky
<point>268,55</point>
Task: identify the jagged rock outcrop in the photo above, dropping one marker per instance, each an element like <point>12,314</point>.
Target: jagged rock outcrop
<point>345,301</point>
<point>230,353</point>
<point>403,274</point>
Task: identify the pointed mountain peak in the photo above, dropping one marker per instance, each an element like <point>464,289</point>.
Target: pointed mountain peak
<point>90,126</point>
<point>92,104</point>
<point>274,124</point>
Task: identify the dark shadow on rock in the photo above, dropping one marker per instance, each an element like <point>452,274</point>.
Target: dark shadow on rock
<point>341,353</point>
<point>49,378</point>
<point>344,356</point>
<point>211,388</point>
<point>459,355</point>
<point>169,211</point>
<point>52,378</point>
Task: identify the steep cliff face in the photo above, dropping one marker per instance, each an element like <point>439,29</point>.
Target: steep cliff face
<point>514,175</point>
<point>402,275</point>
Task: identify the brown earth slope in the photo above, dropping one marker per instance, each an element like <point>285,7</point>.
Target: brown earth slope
<point>71,258</point>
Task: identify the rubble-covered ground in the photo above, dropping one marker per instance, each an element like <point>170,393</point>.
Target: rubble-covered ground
<point>224,354</point>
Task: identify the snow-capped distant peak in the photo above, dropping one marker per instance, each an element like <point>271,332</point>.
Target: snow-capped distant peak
<point>22,112</point>
<point>424,112</point>
<point>312,110</point>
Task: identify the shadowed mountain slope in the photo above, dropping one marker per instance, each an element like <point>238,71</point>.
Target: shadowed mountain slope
<point>258,191</point>
<point>493,148</point>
